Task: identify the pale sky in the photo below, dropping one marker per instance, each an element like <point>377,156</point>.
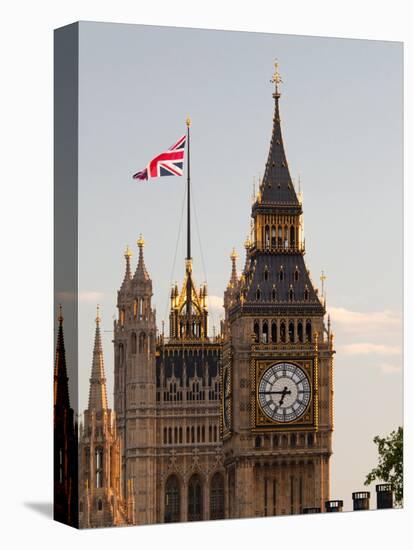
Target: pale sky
<point>341,112</point>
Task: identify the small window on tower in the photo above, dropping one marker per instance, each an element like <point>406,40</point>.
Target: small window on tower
<point>296,274</point>
<point>258,294</point>
<point>281,274</point>
<point>266,273</point>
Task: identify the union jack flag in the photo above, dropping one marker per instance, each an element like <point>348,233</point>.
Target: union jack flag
<point>169,163</point>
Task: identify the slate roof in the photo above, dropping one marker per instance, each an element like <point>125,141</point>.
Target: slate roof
<point>195,364</point>
<point>277,186</point>
<point>304,296</point>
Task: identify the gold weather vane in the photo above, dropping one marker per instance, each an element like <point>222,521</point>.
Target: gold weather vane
<point>276,78</point>
<point>128,252</point>
<point>188,121</point>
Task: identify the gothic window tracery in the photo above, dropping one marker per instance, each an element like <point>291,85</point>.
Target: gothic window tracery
<point>217,509</point>
<point>172,500</point>
<point>195,498</point>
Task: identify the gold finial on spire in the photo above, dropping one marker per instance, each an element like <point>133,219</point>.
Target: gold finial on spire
<point>188,121</point>
<point>234,254</point>
<point>247,243</point>
<point>97,314</point>
<point>276,78</point>
<point>140,242</point>
<point>323,277</point>
<point>128,252</point>
<point>60,316</point>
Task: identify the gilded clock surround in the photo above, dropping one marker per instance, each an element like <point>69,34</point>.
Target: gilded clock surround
<point>307,420</point>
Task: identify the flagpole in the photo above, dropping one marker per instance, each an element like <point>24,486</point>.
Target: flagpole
<point>188,254</point>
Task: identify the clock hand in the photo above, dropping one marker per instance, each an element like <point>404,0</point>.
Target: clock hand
<point>281,392</point>
<point>284,393</point>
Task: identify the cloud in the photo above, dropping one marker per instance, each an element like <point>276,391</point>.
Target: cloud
<point>390,369</point>
<point>216,302</point>
<point>356,321</point>
<point>85,296</point>
<point>369,348</point>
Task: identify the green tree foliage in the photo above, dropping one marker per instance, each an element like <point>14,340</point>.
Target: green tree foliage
<point>390,467</point>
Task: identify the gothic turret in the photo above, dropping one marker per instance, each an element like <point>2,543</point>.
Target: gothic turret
<point>275,272</point>
<point>98,400</point>
<point>64,440</point>
<point>60,384</point>
<point>101,502</point>
<point>276,345</point>
<point>135,379</point>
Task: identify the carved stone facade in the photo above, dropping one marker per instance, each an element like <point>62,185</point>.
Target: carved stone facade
<point>238,425</point>
<point>101,502</point>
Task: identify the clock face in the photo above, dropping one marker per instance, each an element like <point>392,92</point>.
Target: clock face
<point>226,403</point>
<point>284,392</point>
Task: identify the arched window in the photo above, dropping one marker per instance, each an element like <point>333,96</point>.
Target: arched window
<point>121,354</point>
<point>257,331</point>
<point>142,342</point>
<point>281,274</point>
<point>165,436</point>
<point>285,236</point>
<point>176,434</point>
<point>292,236</point>
<point>296,274</point>
<point>308,331</point>
<point>273,332</point>
<point>258,294</point>
<point>291,332</point>
<point>215,434</point>
<point>266,273</point>
<point>282,332</point>
<point>265,332</point>
<point>100,505</point>
<point>280,236</point>
<point>291,294</point>
<point>293,440</point>
<point>217,497</point>
<point>273,294</point>
<point>133,343</point>
<point>195,498</point>
<point>99,467</point>
<point>172,500</point>
<point>300,331</point>
<point>310,440</point>
<point>306,294</point>
<point>170,436</point>
<point>258,442</point>
<point>273,237</point>
<point>267,236</point>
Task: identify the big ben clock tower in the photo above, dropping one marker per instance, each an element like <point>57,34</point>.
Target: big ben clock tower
<point>277,369</point>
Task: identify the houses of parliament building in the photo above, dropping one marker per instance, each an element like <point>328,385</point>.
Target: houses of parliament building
<point>232,426</point>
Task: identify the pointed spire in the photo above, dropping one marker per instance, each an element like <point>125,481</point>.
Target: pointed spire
<point>60,383</point>
<point>141,274</point>
<point>277,185</point>
<point>234,276</point>
<point>128,255</point>
<point>97,393</point>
